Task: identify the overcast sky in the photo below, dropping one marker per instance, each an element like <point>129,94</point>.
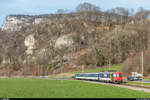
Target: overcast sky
<point>35,7</point>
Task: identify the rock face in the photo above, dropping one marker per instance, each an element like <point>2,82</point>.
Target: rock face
<point>19,22</point>
<point>65,40</point>
<point>14,23</point>
<point>30,44</point>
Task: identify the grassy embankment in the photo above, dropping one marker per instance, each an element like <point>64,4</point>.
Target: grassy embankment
<point>100,69</point>
<point>138,83</point>
<point>43,88</point>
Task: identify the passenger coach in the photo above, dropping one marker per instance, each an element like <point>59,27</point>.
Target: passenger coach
<point>114,77</point>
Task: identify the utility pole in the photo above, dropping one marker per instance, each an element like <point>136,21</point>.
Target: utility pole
<point>142,67</point>
<point>110,55</point>
<point>109,63</point>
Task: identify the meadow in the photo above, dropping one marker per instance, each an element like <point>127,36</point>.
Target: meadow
<point>46,88</point>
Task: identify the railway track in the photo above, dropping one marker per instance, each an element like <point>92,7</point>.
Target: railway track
<point>148,87</point>
<point>124,85</point>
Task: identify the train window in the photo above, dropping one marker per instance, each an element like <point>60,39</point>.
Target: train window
<point>114,75</point>
<point>90,75</point>
<point>101,75</point>
<point>105,75</point>
<point>84,75</point>
<point>96,75</point>
<point>81,75</point>
<point>93,75</point>
<point>117,75</point>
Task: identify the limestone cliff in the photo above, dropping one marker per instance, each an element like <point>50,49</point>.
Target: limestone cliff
<point>19,22</point>
<point>43,44</point>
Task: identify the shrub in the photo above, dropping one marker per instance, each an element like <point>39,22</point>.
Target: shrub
<point>100,58</point>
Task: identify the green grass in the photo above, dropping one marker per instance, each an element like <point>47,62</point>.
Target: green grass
<point>43,88</point>
<point>113,67</point>
<point>146,78</point>
<point>138,83</point>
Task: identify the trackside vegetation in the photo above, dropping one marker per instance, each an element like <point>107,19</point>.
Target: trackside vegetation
<point>100,69</point>
<point>45,88</point>
<point>138,83</point>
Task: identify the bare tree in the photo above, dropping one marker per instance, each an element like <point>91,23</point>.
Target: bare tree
<point>141,15</point>
<point>87,7</point>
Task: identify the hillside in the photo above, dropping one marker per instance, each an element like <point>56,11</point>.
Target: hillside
<point>52,43</point>
<point>44,42</point>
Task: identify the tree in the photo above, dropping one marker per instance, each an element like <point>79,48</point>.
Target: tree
<point>43,59</point>
<point>142,15</point>
<point>60,11</point>
<point>87,7</point>
<point>122,14</point>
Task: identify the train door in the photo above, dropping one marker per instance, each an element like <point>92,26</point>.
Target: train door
<point>111,77</point>
<point>114,77</point>
<point>99,76</point>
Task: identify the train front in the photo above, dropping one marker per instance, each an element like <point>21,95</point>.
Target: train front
<point>117,77</point>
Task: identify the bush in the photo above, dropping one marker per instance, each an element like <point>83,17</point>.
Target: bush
<point>100,58</point>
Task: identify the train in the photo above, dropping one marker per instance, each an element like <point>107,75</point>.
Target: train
<point>112,77</point>
<point>132,76</point>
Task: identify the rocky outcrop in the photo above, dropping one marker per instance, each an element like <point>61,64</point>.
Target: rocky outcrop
<point>30,44</point>
<point>65,40</point>
<point>14,23</point>
<point>19,22</point>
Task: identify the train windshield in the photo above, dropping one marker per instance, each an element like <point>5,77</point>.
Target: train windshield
<point>114,75</point>
<point>117,75</point>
